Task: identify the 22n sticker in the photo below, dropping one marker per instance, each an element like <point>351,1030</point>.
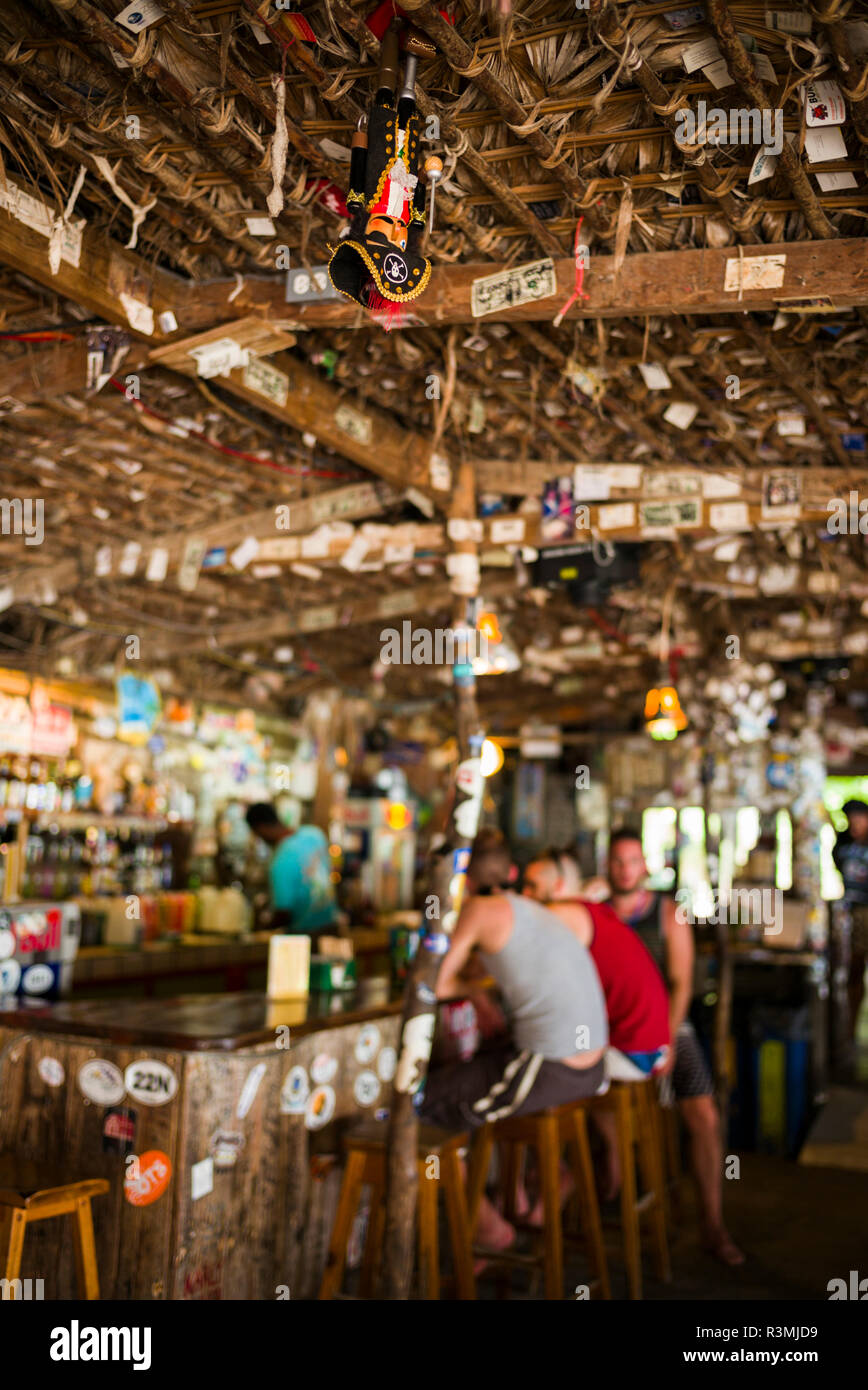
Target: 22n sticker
<point>150,1082</point>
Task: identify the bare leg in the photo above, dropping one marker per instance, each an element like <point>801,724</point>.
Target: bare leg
<point>706,1161</point>
<point>609,1181</point>
<point>492,1229</point>
<point>566,1184</point>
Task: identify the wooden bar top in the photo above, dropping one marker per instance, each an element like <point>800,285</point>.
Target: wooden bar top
<point>204,1023</point>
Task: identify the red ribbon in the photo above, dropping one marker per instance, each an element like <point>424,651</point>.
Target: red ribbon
<point>578,292</point>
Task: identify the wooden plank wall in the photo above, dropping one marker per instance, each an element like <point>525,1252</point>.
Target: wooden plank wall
<point>266,1221</point>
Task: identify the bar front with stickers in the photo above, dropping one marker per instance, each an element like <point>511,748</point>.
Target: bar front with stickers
<point>198,1115</point>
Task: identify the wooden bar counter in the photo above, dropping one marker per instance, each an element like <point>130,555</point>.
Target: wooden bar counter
<point>198,1111</point>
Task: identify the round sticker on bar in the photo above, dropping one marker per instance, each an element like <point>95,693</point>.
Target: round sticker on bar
<point>51,1071</point>
<point>386,1063</point>
<point>7,943</point>
<point>147,1177</point>
<point>150,1082</point>
<point>37,979</point>
<point>320,1107</point>
<point>101,1082</point>
<point>294,1092</point>
<point>367,1043</point>
<point>323,1068</point>
<point>469,776</point>
<point>10,974</point>
<point>366,1088</point>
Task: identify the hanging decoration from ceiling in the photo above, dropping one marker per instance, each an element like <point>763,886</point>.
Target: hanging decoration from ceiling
<point>379,264</point>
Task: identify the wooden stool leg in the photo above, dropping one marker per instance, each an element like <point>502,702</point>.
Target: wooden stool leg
<point>629,1214</point>
<point>373,1241</point>
<point>452,1182</point>
<point>480,1161</point>
<point>513,1155</point>
<point>549,1164</point>
<point>668,1116</point>
<point>87,1278</point>
<point>348,1201</point>
<point>586,1192</point>
<point>429,1252</point>
<point>652,1176</point>
<point>13,1224</point>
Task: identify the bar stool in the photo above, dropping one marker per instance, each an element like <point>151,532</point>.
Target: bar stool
<point>366,1165</point>
<point>35,1191</point>
<point>673,1171</point>
<point>546,1131</point>
<point>638,1130</point>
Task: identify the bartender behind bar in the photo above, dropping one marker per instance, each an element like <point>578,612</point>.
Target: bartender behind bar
<point>302,892</point>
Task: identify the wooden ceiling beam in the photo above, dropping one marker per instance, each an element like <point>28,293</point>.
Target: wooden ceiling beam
<point>357,501</point>
<point>386,449</point>
<point>46,371</point>
<point>527,478</point>
<point>389,608</point>
<point>659,282</point>
<point>357,431</point>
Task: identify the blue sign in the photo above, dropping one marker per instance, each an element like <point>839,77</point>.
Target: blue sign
<point>139,707</point>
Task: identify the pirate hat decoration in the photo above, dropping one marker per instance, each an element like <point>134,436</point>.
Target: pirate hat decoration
<point>379,264</point>
<point>372,269</point>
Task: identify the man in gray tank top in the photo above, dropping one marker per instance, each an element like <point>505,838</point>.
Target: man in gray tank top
<point>554,1002</point>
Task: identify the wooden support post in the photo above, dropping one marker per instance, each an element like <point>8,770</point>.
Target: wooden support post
<point>442,905</point>
<point>723,1009</point>
<point>809,816</point>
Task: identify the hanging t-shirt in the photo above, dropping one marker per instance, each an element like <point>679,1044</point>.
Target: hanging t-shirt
<point>300,880</point>
<point>851,861</point>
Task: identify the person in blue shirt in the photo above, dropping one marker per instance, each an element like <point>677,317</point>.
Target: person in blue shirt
<point>302,892</point>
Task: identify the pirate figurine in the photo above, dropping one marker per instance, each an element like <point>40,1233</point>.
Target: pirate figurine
<point>379,264</point>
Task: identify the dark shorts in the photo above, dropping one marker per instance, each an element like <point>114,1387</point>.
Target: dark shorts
<point>502,1082</point>
<point>691,1076</point>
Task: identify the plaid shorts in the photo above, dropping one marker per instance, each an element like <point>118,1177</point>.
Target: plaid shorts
<point>691,1076</point>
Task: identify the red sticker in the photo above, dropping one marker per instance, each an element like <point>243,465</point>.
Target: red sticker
<point>147,1178</point>
<point>379,19</point>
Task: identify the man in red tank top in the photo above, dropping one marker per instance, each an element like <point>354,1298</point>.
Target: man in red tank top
<point>636,998</point>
